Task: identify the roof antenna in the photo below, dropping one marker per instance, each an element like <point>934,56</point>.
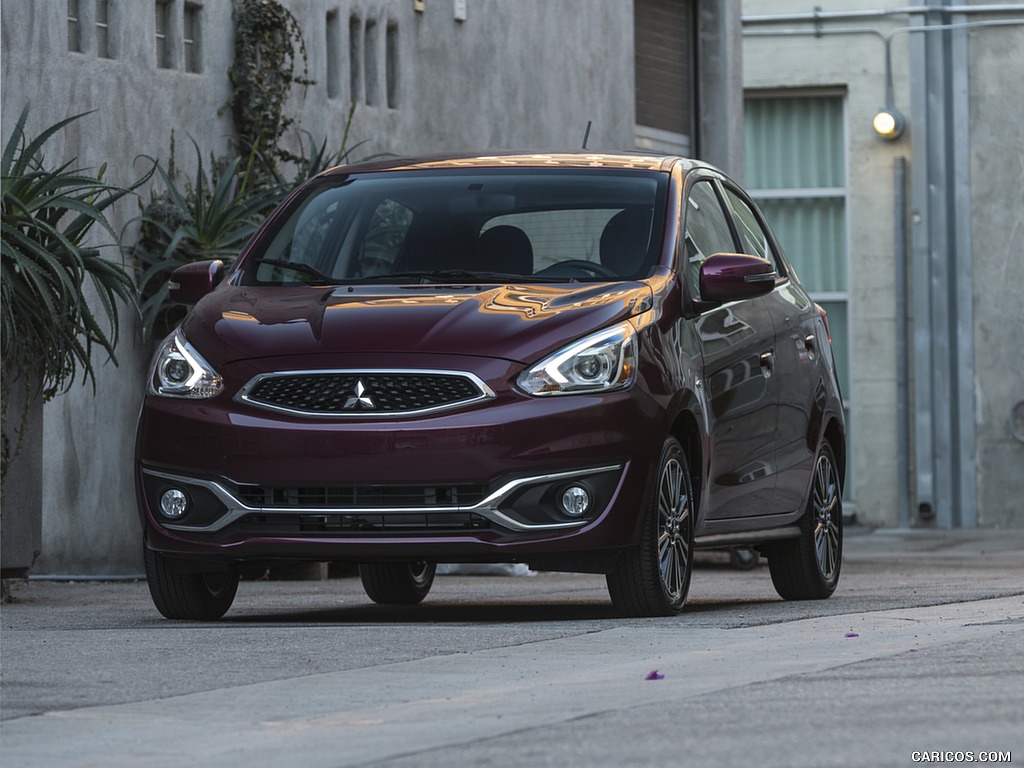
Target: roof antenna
<point>586,136</point>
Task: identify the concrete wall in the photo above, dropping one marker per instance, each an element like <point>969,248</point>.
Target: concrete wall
<point>997,228</point>
<point>514,73</point>
<point>854,62</point>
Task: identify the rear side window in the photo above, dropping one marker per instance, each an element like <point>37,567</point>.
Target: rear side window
<point>556,236</point>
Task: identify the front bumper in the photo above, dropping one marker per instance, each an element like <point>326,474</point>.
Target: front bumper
<point>476,484</point>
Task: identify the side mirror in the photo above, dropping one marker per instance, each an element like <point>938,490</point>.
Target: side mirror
<point>188,284</point>
<point>735,276</point>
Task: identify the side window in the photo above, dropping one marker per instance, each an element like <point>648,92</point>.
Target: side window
<point>706,231</point>
<point>755,239</point>
<point>384,238</point>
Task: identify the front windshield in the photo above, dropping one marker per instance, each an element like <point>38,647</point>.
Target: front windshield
<point>534,225</point>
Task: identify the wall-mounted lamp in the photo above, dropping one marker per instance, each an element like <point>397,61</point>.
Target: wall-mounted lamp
<point>889,123</point>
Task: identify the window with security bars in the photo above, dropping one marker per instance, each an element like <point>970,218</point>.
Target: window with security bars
<point>795,168</point>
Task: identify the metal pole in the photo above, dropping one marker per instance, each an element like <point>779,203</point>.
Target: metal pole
<point>902,363</point>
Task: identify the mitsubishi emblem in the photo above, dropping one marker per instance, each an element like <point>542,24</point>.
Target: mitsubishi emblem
<point>359,400</point>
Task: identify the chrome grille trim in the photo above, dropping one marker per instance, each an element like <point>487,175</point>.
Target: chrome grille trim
<point>354,392</point>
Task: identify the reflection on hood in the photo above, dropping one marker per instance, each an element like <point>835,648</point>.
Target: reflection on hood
<point>511,322</point>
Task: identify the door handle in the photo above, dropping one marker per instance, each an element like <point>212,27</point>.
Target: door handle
<point>811,345</point>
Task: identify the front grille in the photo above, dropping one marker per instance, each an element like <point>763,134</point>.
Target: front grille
<point>363,496</point>
<point>432,522</point>
<point>355,393</point>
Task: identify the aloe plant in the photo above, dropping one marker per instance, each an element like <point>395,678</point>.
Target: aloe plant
<point>212,217</point>
<point>51,319</point>
<point>47,215</point>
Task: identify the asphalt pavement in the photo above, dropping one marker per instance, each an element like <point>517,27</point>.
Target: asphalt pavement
<point>916,658</point>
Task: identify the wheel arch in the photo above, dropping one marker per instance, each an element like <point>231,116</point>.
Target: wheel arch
<point>836,437</point>
<point>687,431</point>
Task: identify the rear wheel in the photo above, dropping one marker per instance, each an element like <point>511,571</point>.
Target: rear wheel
<point>654,578</point>
<point>397,583</point>
<point>195,596</point>
<point>807,568</point>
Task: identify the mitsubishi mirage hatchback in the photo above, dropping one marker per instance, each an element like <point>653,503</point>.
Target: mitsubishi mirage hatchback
<point>581,362</point>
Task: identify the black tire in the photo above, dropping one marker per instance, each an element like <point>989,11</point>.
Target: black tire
<point>397,583</point>
<point>653,578</point>
<point>193,596</point>
<point>807,568</point>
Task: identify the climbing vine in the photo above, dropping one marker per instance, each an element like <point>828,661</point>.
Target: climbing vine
<point>211,214</point>
<point>268,49</point>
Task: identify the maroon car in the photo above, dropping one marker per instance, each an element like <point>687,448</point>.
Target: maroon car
<point>581,362</point>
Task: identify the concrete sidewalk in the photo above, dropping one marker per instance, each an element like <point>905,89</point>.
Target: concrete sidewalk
<point>918,649</point>
<point>861,541</point>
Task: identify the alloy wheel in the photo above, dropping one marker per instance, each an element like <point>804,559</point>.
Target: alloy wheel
<point>827,509</point>
<point>675,519</point>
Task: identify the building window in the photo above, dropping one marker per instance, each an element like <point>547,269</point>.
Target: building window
<point>795,168</point>
<point>163,30</point>
<point>74,27</point>
<point>355,59</point>
<point>391,64</point>
<point>663,33</point>
<point>333,54</point>
<point>103,29</point>
<point>191,38</point>
<point>372,69</point>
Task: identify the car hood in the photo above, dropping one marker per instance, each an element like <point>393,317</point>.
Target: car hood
<point>518,323</point>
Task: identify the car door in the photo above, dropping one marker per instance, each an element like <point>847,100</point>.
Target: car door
<point>736,340</point>
<point>800,342</point>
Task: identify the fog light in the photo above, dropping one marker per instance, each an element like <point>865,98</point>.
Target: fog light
<point>575,500</point>
<point>174,503</point>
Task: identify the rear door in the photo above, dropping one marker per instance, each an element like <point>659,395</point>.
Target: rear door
<point>737,345</point>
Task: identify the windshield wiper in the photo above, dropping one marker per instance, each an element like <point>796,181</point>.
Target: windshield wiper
<point>301,267</point>
<point>462,275</point>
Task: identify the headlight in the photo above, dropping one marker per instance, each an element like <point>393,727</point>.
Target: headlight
<point>602,362</point>
<point>178,370</point>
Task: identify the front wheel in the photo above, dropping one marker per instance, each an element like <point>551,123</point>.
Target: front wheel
<point>397,583</point>
<point>194,596</point>
<point>653,578</point>
<point>807,568</point>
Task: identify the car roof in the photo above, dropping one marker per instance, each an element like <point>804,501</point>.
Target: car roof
<point>521,159</point>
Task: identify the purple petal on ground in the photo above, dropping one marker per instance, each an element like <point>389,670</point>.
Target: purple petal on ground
<point>654,675</point>
<point>851,634</point>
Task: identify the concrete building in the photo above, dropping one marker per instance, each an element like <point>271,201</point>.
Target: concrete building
<point>425,75</point>
<point>912,243</point>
